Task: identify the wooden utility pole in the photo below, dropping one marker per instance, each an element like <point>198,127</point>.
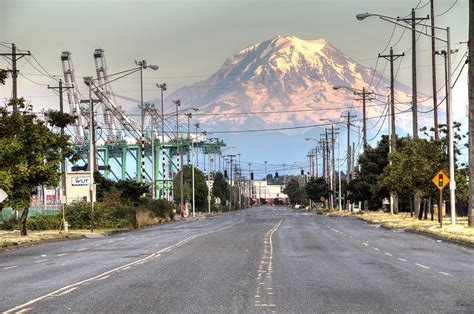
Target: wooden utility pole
<point>433,71</point>
<point>471,113</point>
<point>14,56</point>
<point>348,149</point>
<point>393,132</point>
<point>63,196</point>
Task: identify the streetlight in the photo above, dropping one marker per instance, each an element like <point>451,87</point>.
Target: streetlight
<point>449,111</point>
<point>162,87</point>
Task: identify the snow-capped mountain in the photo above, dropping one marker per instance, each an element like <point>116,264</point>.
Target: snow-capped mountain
<point>288,80</point>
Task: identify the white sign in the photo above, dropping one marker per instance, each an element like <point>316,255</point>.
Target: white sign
<point>75,181</point>
<point>3,195</point>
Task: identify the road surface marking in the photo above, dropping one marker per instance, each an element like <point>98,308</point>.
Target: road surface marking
<point>83,249</point>
<point>98,244</point>
<point>25,310</point>
<point>111,241</point>
<point>61,254</point>
<point>443,273</point>
<point>377,249</point>
<point>10,267</point>
<point>126,268</point>
<point>41,260</point>
<point>114,270</point>
<point>366,244</point>
<point>44,255</point>
<point>401,259</point>
<point>422,266</point>
<point>388,254</point>
<point>102,278</point>
<point>66,292</point>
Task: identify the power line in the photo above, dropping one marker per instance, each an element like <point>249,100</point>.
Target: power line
<point>449,9</point>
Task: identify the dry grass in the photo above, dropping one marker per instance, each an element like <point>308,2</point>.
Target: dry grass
<point>10,239</point>
<point>460,232</point>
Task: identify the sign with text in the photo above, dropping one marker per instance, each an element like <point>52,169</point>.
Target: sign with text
<point>441,180</point>
<point>80,181</point>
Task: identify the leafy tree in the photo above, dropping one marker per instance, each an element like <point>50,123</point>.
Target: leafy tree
<point>413,166</point>
<point>317,188</point>
<point>131,190</point>
<point>30,155</point>
<point>3,76</point>
<point>103,185</point>
<point>220,188</point>
<point>372,163</point>
<point>294,191</point>
<point>200,187</point>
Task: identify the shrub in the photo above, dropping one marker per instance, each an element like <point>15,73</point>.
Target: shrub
<point>44,222</point>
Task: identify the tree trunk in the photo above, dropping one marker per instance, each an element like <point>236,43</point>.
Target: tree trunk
<point>471,113</point>
<point>23,218</point>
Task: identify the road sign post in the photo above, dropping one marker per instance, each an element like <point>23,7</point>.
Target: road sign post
<point>441,180</point>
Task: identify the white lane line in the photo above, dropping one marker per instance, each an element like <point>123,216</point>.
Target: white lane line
<point>41,260</point>
<point>377,249</point>
<point>422,266</point>
<point>126,268</point>
<point>10,267</point>
<point>44,255</point>
<point>83,249</point>
<point>25,310</point>
<point>98,244</point>
<point>401,259</point>
<point>114,270</point>
<point>443,273</point>
<point>66,292</point>
<point>388,254</point>
<point>61,254</point>
<point>111,241</point>
<point>102,278</point>
<point>366,244</point>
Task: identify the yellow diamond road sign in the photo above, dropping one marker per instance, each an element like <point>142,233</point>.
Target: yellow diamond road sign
<point>440,180</point>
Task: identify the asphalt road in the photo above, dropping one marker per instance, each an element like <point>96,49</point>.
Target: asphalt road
<point>257,260</point>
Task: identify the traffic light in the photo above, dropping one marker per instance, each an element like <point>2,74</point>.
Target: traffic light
<point>225,174</point>
<point>302,172</point>
<point>276,175</point>
<point>251,176</point>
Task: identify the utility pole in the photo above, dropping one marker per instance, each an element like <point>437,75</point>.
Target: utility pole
<point>316,161</point>
<point>392,57</point>
<point>433,71</point>
<point>250,184</point>
<point>365,97</point>
<point>413,21</point>
<point>348,116</point>
<point>63,196</point>
<point>89,81</point>
<point>14,56</point>
<point>471,113</point>
<point>333,165</point>
<point>231,182</point>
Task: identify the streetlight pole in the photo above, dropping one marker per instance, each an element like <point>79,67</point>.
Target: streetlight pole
<point>162,88</point>
<point>452,181</point>
<point>180,156</point>
<point>143,65</point>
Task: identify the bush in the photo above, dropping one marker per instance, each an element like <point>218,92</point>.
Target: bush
<point>161,208</point>
<point>44,222</point>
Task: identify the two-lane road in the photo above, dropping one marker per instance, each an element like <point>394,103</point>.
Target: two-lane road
<point>257,260</point>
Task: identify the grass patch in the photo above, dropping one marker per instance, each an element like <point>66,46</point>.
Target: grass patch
<point>460,232</point>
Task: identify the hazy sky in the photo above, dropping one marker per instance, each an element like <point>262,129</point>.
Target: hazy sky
<point>190,39</point>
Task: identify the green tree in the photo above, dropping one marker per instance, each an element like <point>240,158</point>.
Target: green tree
<point>294,191</point>
<point>317,188</point>
<point>413,166</point>
<point>200,187</point>
<point>131,190</point>
<point>3,76</point>
<point>30,155</point>
<point>220,188</point>
<point>363,187</point>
